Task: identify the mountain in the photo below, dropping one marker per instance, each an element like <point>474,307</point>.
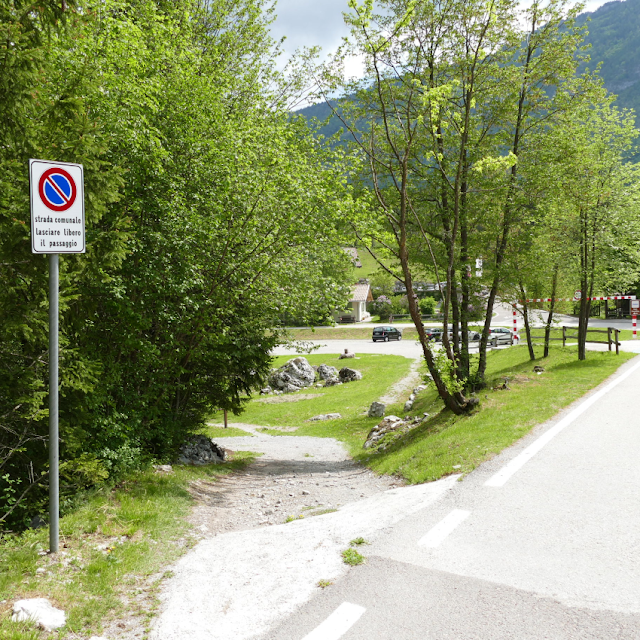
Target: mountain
<point>614,36</point>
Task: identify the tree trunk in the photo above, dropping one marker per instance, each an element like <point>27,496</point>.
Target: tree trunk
<point>552,306</point>
<point>527,326</point>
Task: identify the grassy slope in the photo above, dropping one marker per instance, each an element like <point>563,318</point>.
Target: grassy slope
<point>350,400</point>
<point>143,522</point>
<point>431,451</point>
<point>446,443</point>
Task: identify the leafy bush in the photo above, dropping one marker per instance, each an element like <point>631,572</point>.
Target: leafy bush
<point>382,306</point>
<point>428,306</point>
<point>399,305</point>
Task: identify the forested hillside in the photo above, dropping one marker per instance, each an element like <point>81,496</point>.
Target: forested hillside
<point>614,36</point>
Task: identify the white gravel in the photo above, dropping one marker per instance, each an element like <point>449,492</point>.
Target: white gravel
<point>239,584</point>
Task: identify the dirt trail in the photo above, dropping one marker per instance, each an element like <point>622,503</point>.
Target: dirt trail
<point>297,475</point>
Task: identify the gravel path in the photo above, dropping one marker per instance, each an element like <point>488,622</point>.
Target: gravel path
<point>297,475</point>
<point>254,566</point>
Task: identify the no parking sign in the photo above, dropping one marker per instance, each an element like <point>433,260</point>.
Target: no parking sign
<point>57,207</point>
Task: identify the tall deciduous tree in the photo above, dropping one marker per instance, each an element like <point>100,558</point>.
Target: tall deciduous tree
<point>211,212</point>
<point>453,92</point>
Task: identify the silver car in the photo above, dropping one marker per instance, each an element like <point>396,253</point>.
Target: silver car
<point>500,335</point>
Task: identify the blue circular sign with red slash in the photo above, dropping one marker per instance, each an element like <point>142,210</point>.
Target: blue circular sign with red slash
<point>57,189</point>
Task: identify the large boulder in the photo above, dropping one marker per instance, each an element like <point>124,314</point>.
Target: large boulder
<point>41,612</point>
<point>292,376</point>
<point>326,372</point>
<point>376,410</point>
<point>199,450</point>
<point>349,375</point>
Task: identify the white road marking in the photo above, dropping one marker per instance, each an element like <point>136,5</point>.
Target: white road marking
<point>520,460</point>
<point>338,623</point>
<point>444,528</point>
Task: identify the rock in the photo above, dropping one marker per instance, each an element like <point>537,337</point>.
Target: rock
<point>346,354</point>
<point>199,450</point>
<point>349,375</point>
<point>331,382</point>
<point>293,376</point>
<point>305,492</point>
<point>538,369</point>
<point>390,423</point>
<point>265,391</point>
<point>40,611</point>
<point>98,638</point>
<point>163,468</point>
<point>325,372</point>
<point>376,410</point>
<point>419,388</point>
<point>408,405</point>
<point>325,416</point>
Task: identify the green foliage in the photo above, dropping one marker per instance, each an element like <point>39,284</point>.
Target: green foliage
<point>211,214</point>
<point>352,557</point>
<point>427,305</point>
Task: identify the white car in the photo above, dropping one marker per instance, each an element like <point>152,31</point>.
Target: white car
<point>500,335</point>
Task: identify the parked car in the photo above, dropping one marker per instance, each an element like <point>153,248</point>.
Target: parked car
<point>434,333</point>
<point>386,333</point>
<point>500,335</point>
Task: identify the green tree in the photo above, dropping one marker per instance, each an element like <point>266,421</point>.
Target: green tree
<point>211,212</point>
<point>452,95</point>
<point>597,202</point>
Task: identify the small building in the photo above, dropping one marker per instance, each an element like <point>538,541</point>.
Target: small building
<point>356,310</point>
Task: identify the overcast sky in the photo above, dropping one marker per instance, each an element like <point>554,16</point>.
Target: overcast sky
<point>319,22</point>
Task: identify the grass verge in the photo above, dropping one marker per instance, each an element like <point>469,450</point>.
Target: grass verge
<point>352,400</point>
<point>446,443</point>
<point>112,553</point>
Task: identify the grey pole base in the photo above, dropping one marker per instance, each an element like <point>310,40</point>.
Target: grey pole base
<point>54,497</point>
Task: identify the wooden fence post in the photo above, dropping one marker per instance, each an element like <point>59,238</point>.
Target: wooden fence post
<point>609,337</point>
<point>617,343</point>
<point>564,336</point>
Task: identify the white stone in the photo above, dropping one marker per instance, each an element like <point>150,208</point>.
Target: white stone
<point>40,611</point>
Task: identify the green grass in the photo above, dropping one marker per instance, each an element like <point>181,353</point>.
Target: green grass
<point>351,400</point>
<point>369,265</point>
<point>446,444</point>
<point>142,525</point>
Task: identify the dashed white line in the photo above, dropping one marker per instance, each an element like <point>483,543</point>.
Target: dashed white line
<point>444,528</point>
<point>520,460</point>
<point>338,623</point>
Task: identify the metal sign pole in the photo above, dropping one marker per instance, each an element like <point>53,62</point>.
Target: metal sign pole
<point>56,192</point>
<point>54,498</point>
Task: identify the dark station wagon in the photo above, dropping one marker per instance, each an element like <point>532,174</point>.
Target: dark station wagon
<point>386,333</point>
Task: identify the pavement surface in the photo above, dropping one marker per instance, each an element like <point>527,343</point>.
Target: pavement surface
<point>549,548</point>
<point>543,541</point>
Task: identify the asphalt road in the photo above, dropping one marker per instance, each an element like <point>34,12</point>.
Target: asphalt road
<point>541,542</point>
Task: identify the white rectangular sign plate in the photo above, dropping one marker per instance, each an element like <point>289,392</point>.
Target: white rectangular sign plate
<point>57,207</point>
